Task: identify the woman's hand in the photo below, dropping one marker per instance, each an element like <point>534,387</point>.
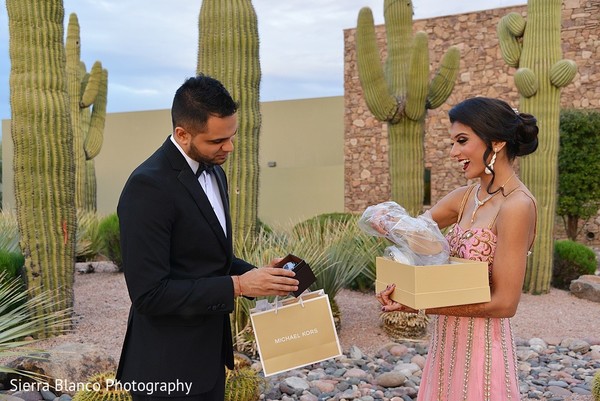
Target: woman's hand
<point>389,305</point>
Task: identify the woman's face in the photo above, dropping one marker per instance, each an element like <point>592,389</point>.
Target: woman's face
<point>468,150</point>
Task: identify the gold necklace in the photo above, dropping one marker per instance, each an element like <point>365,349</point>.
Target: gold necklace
<point>479,203</point>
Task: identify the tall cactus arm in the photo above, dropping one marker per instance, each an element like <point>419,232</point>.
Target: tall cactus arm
<point>443,83</point>
<point>92,87</point>
<point>95,138</point>
<point>73,43</point>
<point>526,82</point>
<point>418,78</point>
<point>562,73</point>
<point>510,29</point>
<point>381,103</point>
<point>397,15</point>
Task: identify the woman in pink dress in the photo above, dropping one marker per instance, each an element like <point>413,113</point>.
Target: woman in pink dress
<point>472,352</point>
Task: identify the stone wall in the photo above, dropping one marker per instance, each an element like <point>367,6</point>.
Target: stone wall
<point>482,72</point>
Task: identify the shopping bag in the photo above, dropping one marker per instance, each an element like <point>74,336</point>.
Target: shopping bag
<point>295,332</point>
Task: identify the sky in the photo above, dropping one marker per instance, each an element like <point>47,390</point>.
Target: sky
<point>149,47</point>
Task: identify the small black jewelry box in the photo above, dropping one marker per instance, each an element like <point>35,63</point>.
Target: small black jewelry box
<point>304,273</point>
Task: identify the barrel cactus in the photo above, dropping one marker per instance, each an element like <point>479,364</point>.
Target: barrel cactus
<point>400,326</point>
<point>533,47</point>
<point>228,51</point>
<point>596,386</point>
<point>102,387</point>
<point>43,148</point>
<point>85,90</point>
<point>401,93</point>
<point>243,384</point>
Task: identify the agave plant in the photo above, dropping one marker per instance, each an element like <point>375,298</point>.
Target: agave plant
<point>19,326</point>
<point>335,248</point>
<point>89,243</point>
<point>256,249</point>
<point>337,251</point>
<point>9,232</point>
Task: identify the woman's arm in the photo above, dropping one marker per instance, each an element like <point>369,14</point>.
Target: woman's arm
<point>516,227</point>
<point>445,211</point>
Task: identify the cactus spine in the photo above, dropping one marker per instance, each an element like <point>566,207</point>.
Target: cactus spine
<point>85,89</point>
<point>400,94</point>
<point>43,148</point>
<point>534,47</point>
<point>228,51</point>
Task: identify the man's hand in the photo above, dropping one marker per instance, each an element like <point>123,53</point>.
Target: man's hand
<point>267,280</point>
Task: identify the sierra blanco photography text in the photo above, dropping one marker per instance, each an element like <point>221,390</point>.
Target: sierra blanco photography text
<point>66,386</point>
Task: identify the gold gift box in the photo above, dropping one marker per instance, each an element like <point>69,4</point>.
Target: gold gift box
<point>460,282</point>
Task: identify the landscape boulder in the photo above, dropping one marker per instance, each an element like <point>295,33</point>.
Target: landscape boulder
<point>586,287</point>
<point>67,366</point>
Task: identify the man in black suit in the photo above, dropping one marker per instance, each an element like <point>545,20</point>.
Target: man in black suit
<point>178,260</point>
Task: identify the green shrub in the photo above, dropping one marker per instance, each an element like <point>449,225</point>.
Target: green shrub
<point>110,237</point>
<point>321,219</point>
<point>11,263</point>
<point>571,260</point>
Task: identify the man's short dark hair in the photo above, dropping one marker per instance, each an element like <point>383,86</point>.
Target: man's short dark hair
<point>199,98</point>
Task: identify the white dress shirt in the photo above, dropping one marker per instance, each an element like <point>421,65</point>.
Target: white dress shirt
<point>209,185</point>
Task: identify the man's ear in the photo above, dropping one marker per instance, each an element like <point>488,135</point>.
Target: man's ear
<point>181,135</point>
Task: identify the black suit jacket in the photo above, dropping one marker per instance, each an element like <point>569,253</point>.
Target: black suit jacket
<point>177,264</point>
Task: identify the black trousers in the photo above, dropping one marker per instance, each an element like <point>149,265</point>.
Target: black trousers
<point>216,394</point>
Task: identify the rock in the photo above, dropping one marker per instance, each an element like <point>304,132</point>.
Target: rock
<point>295,384</point>
<point>586,287</point>
<point>308,397</point>
<point>398,350</point>
<point>559,391</point>
<point>407,369</point>
<point>391,379</point>
<point>355,352</point>
<point>47,395</point>
<point>356,372</point>
<point>324,386</point>
<point>8,397</point>
<point>538,345</point>
<point>579,346</point>
<point>68,364</point>
<point>84,268</point>
<point>28,395</point>
<point>418,360</point>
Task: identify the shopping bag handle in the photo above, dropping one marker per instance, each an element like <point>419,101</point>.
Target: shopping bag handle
<point>287,302</point>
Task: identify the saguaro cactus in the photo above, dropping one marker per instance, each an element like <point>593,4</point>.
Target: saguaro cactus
<point>84,90</point>
<point>228,51</point>
<point>401,93</point>
<point>43,146</point>
<point>533,47</point>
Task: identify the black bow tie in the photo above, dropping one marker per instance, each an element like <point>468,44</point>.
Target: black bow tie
<point>209,168</point>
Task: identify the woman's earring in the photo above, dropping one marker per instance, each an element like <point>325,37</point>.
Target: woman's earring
<point>489,168</point>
